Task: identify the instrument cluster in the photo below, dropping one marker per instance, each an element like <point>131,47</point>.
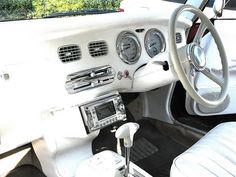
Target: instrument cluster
<point>129,48</point>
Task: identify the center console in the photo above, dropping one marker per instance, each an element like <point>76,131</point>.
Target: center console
<point>69,133</point>
<point>102,111</point>
<point>108,164</point>
<point>97,114</point>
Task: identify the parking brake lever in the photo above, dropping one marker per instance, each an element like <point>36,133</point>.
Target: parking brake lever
<point>127,132</point>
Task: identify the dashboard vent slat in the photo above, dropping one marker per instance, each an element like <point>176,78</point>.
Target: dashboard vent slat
<point>98,48</point>
<point>69,53</point>
<point>88,79</point>
<point>178,38</point>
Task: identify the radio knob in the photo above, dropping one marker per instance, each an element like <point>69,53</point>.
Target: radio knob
<point>121,107</point>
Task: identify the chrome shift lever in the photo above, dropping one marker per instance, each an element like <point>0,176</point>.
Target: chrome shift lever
<point>127,132</point>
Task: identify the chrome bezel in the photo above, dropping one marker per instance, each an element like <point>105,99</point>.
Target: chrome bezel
<point>123,35</point>
<point>198,62</point>
<point>160,35</point>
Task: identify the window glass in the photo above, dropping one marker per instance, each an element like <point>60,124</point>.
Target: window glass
<point>30,9</point>
<point>230,4</point>
<point>33,9</point>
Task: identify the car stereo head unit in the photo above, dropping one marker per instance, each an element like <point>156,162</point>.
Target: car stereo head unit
<point>103,111</point>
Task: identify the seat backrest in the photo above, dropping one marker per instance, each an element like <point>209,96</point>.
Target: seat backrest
<point>213,155</point>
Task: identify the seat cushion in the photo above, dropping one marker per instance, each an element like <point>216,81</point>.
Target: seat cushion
<point>212,155</point>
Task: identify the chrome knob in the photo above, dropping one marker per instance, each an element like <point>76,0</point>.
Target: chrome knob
<point>197,57</point>
<point>92,74</point>
<point>121,107</point>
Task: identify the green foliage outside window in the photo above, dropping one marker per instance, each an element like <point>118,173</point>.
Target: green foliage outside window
<point>27,9</point>
<point>101,4</point>
<point>47,7</point>
<point>15,9</point>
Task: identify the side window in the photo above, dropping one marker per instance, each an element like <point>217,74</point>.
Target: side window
<point>229,10</point>
<point>231,5</point>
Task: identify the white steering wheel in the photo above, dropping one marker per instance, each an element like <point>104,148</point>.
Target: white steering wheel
<point>195,59</point>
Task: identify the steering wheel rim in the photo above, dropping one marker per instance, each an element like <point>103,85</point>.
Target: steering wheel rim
<point>179,69</point>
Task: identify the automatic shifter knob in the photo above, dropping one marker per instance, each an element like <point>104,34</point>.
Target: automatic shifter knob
<point>127,132</point>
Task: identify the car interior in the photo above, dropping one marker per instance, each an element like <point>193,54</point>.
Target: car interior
<point>137,93</point>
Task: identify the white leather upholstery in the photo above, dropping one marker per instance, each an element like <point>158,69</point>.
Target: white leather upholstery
<point>213,155</point>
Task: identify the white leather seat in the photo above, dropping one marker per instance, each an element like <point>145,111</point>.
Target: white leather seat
<point>213,155</point>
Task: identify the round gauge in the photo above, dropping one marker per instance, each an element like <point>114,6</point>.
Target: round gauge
<point>128,47</point>
<point>154,42</point>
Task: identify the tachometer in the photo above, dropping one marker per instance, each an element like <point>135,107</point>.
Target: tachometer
<point>128,47</point>
<point>154,42</point>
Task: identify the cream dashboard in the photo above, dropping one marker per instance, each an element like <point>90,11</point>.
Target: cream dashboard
<point>46,59</point>
<point>121,57</point>
<point>69,60</point>
<point>122,43</point>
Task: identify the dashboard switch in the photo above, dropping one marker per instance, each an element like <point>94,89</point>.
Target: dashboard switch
<point>164,64</point>
<point>119,75</point>
<point>124,74</point>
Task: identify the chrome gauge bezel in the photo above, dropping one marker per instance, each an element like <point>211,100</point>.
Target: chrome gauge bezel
<point>160,35</point>
<point>124,35</point>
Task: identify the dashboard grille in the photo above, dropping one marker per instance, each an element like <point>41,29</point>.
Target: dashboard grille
<point>90,78</point>
<point>98,48</point>
<point>69,53</point>
<point>178,38</point>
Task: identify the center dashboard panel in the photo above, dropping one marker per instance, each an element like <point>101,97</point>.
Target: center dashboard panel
<point>97,57</point>
<point>97,62</point>
<point>112,61</point>
<point>123,47</point>
<point>129,54</point>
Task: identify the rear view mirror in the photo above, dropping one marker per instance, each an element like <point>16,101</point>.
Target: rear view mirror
<point>218,7</point>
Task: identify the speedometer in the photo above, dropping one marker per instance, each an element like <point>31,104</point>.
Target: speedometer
<point>128,47</point>
<point>154,42</point>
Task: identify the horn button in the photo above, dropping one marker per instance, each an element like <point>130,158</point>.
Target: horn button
<point>197,57</point>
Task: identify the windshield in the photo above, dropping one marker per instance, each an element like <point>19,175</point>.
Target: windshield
<point>32,9</point>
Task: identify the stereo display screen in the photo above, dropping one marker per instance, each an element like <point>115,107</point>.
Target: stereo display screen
<point>105,110</point>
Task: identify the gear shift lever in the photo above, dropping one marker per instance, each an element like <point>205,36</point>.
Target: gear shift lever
<point>127,132</point>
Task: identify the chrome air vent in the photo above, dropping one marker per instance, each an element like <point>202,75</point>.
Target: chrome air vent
<point>178,38</point>
<point>91,78</point>
<point>98,48</point>
<point>69,53</point>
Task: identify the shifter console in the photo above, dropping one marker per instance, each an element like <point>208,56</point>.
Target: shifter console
<point>103,111</point>
<point>108,164</point>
